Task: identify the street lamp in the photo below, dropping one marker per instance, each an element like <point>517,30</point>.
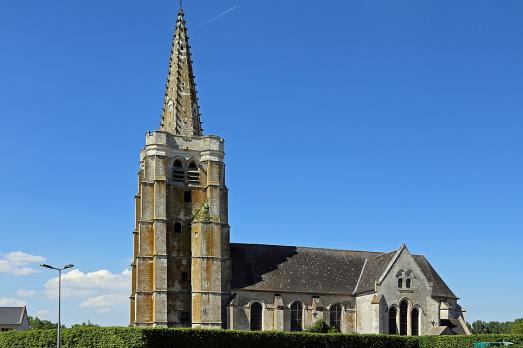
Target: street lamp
<point>59,295</point>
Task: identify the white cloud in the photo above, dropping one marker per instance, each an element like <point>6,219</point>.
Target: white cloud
<point>21,257</point>
<point>76,283</point>
<point>25,293</point>
<point>18,263</point>
<point>11,302</point>
<point>101,290</point>
<point>103,303</point>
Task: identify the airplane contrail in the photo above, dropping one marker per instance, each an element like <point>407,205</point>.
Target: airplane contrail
<point>212,19</point>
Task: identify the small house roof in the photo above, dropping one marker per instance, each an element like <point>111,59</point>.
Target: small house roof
<point>11,315</point>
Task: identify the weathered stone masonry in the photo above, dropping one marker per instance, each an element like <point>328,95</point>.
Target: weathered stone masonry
<point>186,273</point>
<point>181,268</point>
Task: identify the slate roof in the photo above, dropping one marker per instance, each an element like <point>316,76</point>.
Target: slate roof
<point>11,315</point>
<point>439,288</point>
<point>372,271</point>
<point>278,268</point>
<point>296,269</point>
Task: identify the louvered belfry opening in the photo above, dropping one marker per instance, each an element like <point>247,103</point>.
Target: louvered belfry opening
<point>178,172</point>
<point>193,174</point>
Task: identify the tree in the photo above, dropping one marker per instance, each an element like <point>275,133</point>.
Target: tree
<point>496,327</point>
<point>479,327</point>
<point>517,327</point>
<point>36,323</point>
<point>84,324</point>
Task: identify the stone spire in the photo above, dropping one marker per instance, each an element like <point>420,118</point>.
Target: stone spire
<point>180,114</point>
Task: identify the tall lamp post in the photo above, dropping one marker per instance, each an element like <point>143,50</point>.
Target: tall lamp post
<point>59,296</point>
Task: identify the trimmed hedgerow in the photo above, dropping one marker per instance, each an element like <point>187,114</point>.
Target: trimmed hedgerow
<point>116,337</point>
<point>187,338</point>
<point>75,337</point>
<point>466,341</point>
<point>248,339</point>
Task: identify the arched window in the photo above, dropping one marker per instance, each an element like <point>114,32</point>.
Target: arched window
<point>393,328</point>
<point>335,316</point>
<point>177,227</point>
<point>404,307</point>
<point>296,316</point>
<point>415,322</point>
<point>193,174</point>
<point>400,283</point>
<point>178,172</point>
<point>409,279</point>
<point>256,316</point>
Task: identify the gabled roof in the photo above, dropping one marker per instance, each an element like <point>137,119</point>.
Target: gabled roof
<point>439,287</point>
<point>11,315</point>
<point>374,268</point>
<point>318,271</point>
<point>296,269</point>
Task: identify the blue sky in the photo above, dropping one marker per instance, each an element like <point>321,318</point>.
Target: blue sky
<point>353,125</point>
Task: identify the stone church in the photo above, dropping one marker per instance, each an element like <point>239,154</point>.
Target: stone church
<point>187,273</point>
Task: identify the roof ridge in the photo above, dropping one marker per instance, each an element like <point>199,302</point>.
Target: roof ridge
<point>383,254</point>
<point>314,248</point>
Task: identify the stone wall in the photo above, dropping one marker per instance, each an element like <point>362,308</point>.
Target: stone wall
<point>276,309</point>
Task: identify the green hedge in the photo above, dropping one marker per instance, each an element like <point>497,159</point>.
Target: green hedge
<point>187,338</point>
<point>76,337</point>
<point>466,341</point>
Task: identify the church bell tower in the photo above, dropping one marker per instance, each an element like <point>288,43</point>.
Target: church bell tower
<point>181,269</point>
